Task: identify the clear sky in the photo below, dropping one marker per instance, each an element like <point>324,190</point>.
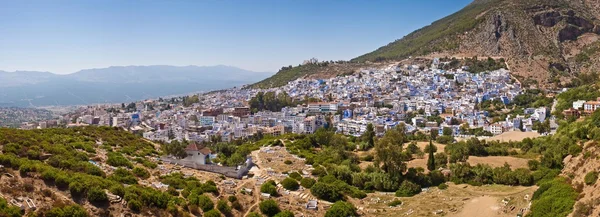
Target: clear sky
<point>65,36</point>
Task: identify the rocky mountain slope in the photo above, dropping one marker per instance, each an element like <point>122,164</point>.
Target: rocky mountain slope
<point>549,41</point>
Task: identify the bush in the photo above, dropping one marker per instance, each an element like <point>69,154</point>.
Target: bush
<point>173,191</point>
<point>232,198</point>
<point>290,184</point>
<point>408,189</point>
<point>236,205</point>
<point>67,211</point>
<point>134,205</point>
<point>254,214</point>
<point>117,160</point>
<point>224,207</point>
<point>212,213</point>
<point>9,210</point>
<point>141,173</point>
<point>553,198</point>
<point>288,162</point>
<point>205,203</point>
<point>269,208</point>
<point>296,176</point>
<point>326,192</point>
<point>285,213</point>
<point>97,195</point>
<point>77,189</point>
<point>341,209</point>
<point>591,177</point>
<point>117,189</point>
<point>395,202</point>
<point>269,188</point>
<point>307,182</point>
<point>443,186</point>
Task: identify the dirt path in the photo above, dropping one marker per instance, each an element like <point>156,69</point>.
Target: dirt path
<point>481,206</point>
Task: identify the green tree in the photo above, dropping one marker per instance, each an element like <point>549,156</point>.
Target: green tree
<point>97,195</point>
<point>408,189</point>
<point>212,213</point>
<point>369,137</point>
<point>431,159</point>
<point>307,182</point>
<point>285,213</point>
<point>388,152</point>
<point>224,207</point>
<point>341,209</point>
<point>205,203</point>
<point>269,188</point>
<point>290,184</point>
<point>269,208</point>
<point>591,178</point>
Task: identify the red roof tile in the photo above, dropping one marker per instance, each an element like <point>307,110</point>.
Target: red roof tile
<point>192,147</point>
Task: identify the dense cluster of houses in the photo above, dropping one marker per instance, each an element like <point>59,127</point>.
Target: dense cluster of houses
<point>384,97</point>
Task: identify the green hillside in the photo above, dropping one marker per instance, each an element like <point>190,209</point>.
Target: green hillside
<point>439,36</point>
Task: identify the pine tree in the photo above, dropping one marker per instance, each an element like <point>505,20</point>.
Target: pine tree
<point>431,160</point>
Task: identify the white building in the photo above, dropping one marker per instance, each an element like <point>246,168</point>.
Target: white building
<point>196,154</point>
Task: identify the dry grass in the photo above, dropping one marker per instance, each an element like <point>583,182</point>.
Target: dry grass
<point>515,136</point>
<point>498,161</point>
<point>463,200</point>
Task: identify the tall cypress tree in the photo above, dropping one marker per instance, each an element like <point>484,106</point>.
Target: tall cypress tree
<point>431,160</point>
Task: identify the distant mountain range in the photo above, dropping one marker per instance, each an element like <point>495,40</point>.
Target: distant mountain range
<point>117,84</point>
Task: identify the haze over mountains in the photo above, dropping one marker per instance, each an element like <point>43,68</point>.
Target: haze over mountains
<point>116,84</point>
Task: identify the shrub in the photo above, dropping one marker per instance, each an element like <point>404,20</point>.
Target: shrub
<point>319,171</point>
<point>533,165</point>
<point>173,191</point>
<point>141,173</point>
<point>553,198</point>
<point>212,213</point>
<point>285,213</point>
<point>254,214</point>
<point>236,205</point>
<point>76,189</point>
<point>232,198</point>
<point>205,203</point>
<point>591,177</point>
<point>224,207</point>
<point>9,210</point>
<point>117,160</point>
<point>307,182</point>
<point>290,184</point>
<point>67,211</point>
<point>134,205</point>
<point>408,189</point>
<point>395,202</point>
<point>326,192</point>
<point>443,186</point>
<point>62,181</point>
<point>117,189</point>
<point>269,188</point>
<point>97,195</point>
<point>296,176</point>
<point>341,209</point>
<point>269,208</point>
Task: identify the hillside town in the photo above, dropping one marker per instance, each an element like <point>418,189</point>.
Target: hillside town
<point>425,99</point>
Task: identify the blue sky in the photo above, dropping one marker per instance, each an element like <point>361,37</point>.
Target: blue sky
<point>65,36</point>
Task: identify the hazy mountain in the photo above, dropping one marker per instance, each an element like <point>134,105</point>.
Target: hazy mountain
<point>117,84</point>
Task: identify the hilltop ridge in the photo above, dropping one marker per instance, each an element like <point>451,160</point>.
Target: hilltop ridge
<point>549,42</point>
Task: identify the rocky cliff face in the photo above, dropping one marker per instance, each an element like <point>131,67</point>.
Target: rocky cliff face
<point>542,40</point>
